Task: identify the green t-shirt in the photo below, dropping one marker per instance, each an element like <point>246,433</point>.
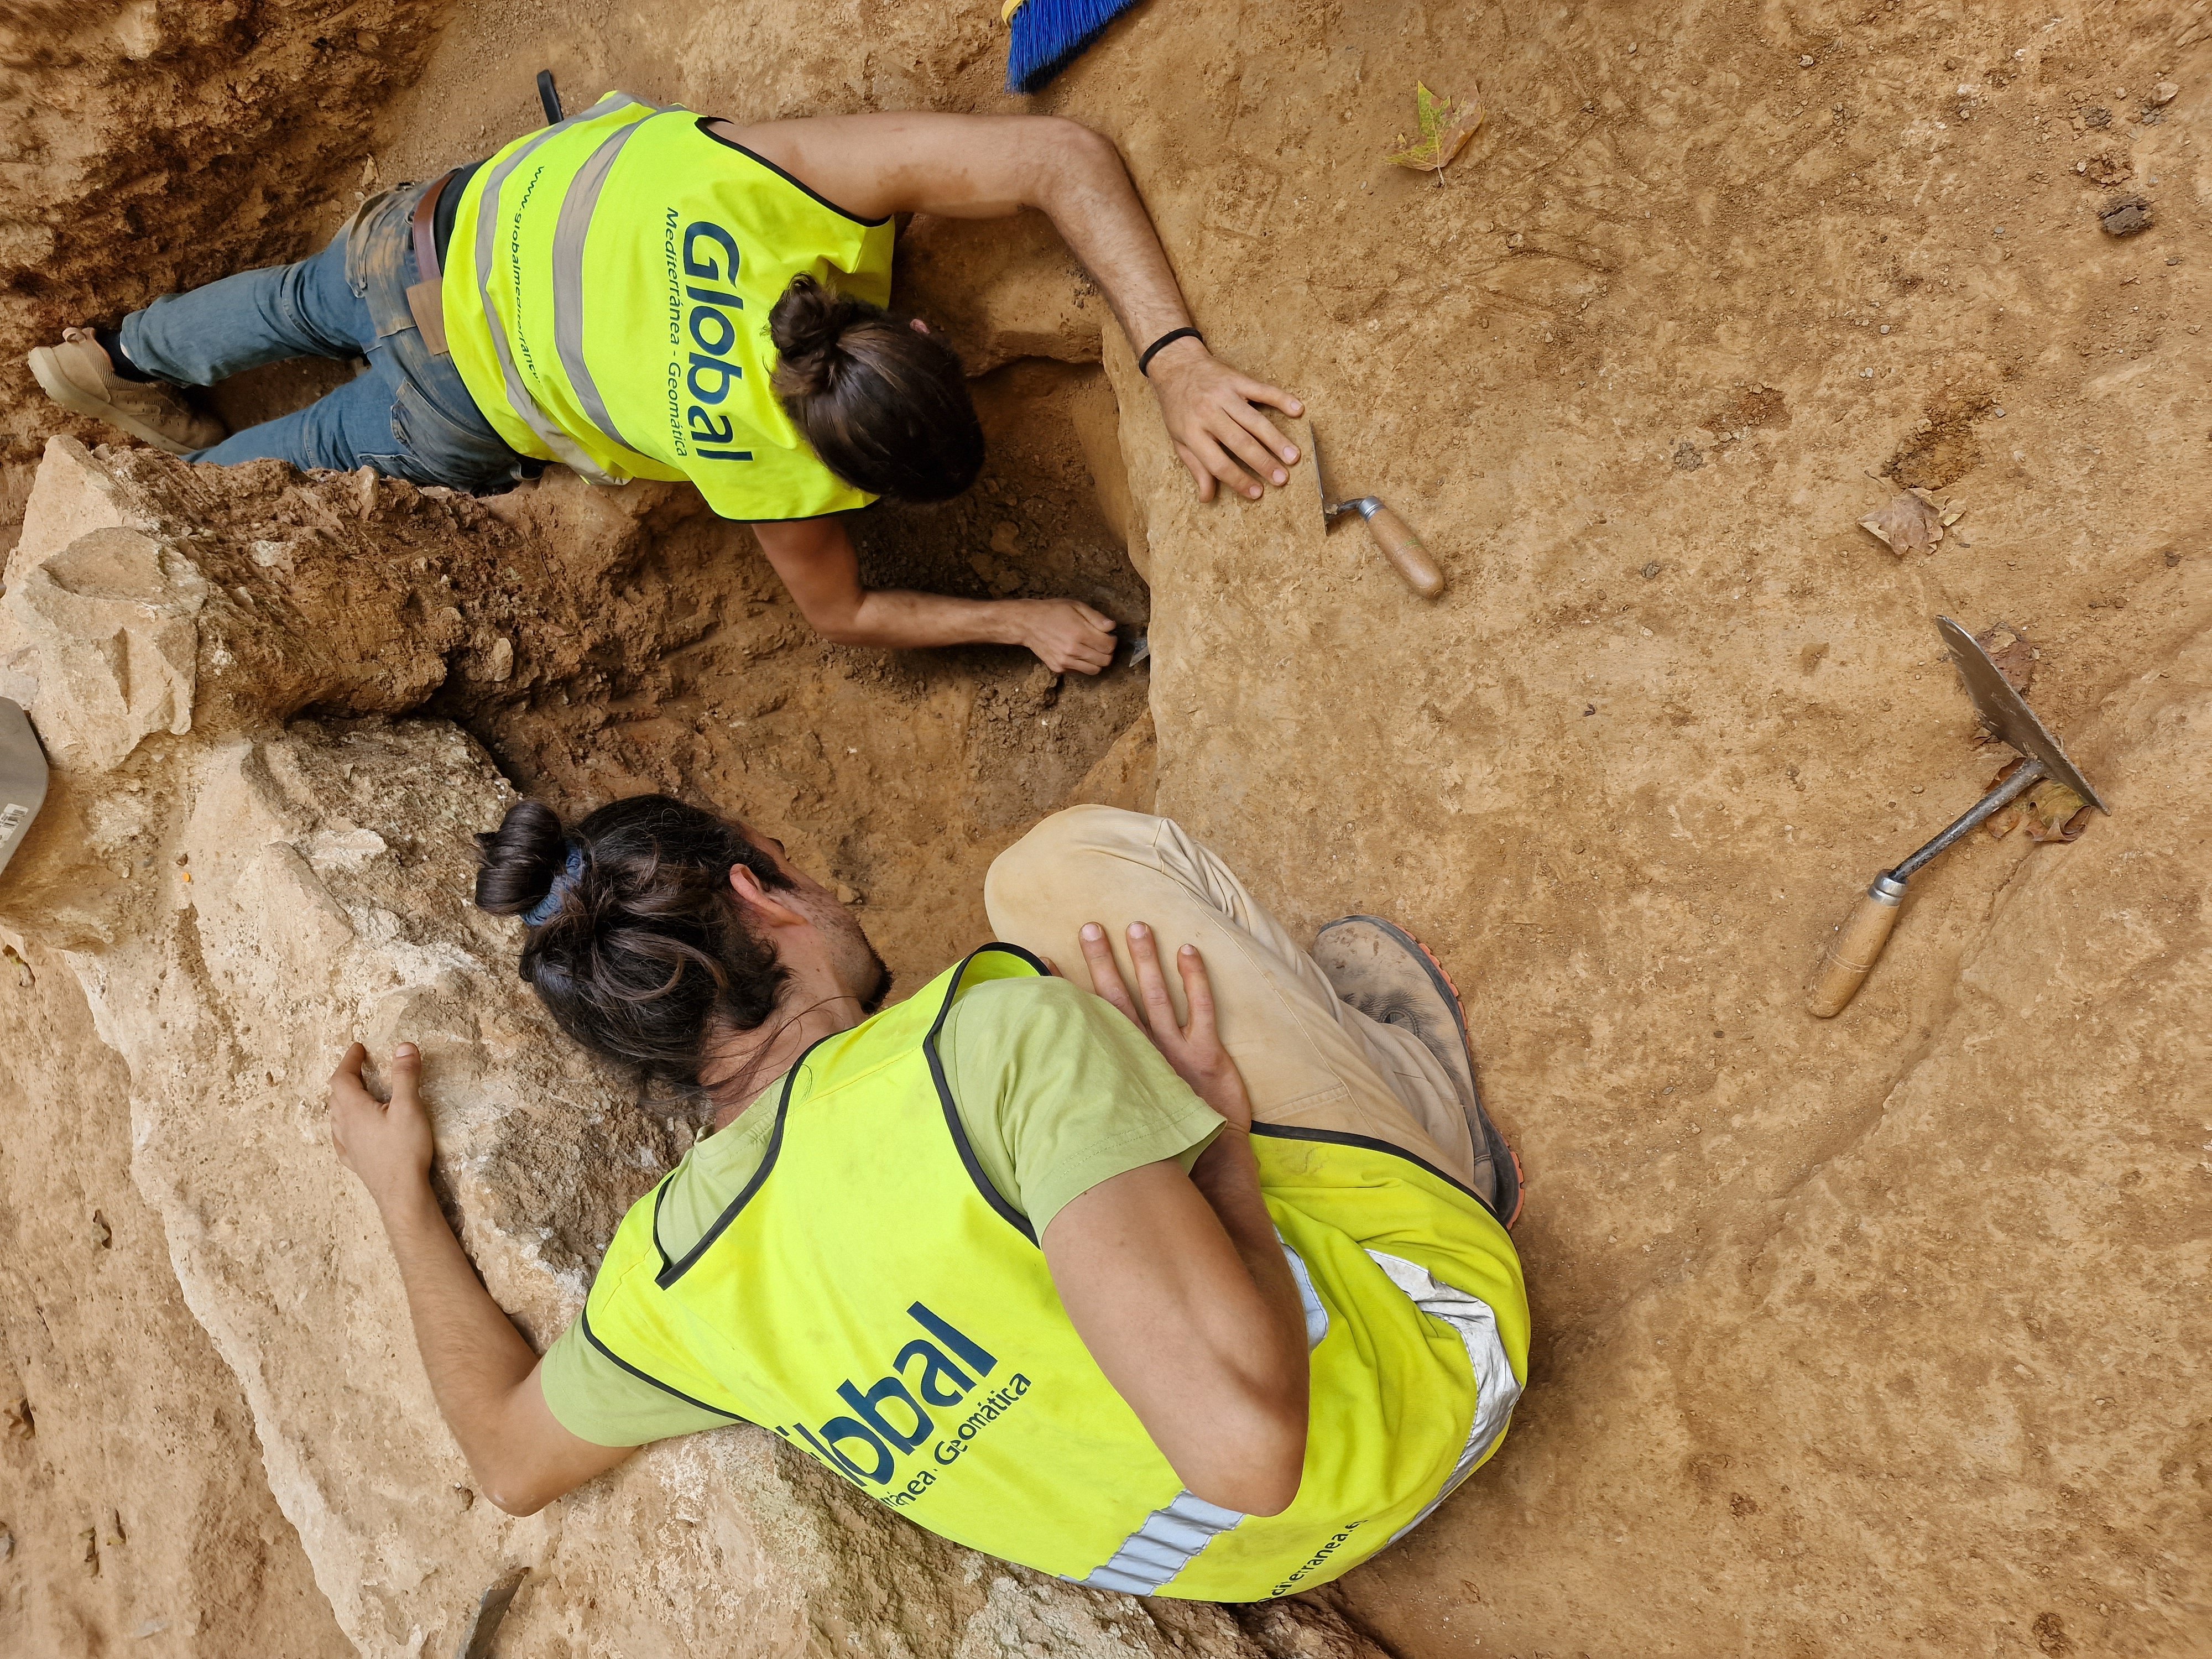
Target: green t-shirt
<point>1057,1092</point>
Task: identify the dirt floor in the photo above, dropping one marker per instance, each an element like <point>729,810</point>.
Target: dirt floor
<point>1870,1335</point>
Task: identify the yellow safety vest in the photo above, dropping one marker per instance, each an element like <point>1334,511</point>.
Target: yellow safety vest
<point>607,290</point>
<point>870,1297</point>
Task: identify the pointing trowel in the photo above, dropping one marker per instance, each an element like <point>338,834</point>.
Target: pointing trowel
<point>1396,540</point>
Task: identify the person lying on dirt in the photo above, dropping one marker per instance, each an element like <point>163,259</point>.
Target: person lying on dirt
<point>640,292</point>
<point>1200,1290</point>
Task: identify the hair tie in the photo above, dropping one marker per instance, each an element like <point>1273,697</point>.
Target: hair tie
<point>563,884</point>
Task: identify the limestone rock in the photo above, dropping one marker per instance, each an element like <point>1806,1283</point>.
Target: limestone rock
<point>265,888</point>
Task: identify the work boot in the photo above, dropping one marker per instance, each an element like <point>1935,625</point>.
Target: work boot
<point>1389,975</point>
<point>76,375</point>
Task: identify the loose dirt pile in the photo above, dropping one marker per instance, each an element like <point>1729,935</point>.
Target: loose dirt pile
<point>1866,1336</point>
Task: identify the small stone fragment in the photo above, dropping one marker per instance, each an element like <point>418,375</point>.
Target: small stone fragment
<point>2109,167</point>
<point>2126,217</point>
<point>848,894</point>
<point>102,1234</point>
<point>19,1422</point>
<point>500,665</point>
<point>1805,60</point>
<point>2096,115</point>
<point>1687,456</point>
<point>2165,92</point>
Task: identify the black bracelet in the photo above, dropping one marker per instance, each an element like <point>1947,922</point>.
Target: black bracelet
<point>1145,361</point>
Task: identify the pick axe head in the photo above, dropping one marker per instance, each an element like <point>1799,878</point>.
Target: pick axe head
<point>2006,713</point>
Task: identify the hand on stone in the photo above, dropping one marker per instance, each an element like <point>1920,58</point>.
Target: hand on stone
<point>1212,415</point>
<point>387,1144</point>
<point>1195,1051</point>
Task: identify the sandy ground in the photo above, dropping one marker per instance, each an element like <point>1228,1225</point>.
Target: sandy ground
<point>1861,1336</point>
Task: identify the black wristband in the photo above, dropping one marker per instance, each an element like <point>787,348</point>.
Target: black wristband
<point>1145,360</point>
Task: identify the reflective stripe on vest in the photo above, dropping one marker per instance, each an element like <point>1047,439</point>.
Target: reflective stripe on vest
<point>869,1298</point>
<point>568,279</point>
<point>564,447</point>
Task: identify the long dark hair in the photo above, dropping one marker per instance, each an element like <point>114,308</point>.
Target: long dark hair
<point>886,408</point>
<point>646,956</point>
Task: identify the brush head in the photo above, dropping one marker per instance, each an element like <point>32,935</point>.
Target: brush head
<point>1048,34</point>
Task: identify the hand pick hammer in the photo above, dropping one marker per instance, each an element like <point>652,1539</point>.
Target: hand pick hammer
<point>1856,946</point>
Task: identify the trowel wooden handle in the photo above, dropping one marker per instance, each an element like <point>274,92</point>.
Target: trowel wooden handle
<point>1856,947</point>
<point>1407,555</point>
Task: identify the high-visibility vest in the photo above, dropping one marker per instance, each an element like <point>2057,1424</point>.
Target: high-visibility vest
<point>606,295</point>
<point>870,1297</point>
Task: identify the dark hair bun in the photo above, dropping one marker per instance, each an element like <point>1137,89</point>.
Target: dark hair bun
<point>651,962</point>
<point>807,326</point>
<point>516,863</point>
<point>885,404</point>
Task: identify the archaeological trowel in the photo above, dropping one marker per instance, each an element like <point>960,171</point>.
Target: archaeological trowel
<point>1398,543</point>
<point>1853,949</point>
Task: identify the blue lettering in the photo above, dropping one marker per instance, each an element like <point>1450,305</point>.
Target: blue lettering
<point>701,316</point>
<point>961,1348</point>
<point>846,1431</point>
<point>729,372</point>
<point>705,430</point>
<point>700,230</point>
<point>934,1365</point>
<point>869,1407</point>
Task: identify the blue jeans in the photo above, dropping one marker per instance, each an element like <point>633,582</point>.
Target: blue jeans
<point>410,417</point>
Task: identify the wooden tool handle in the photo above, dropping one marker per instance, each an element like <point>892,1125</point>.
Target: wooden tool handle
<point>1853,950</point>
<point>1407,555</point>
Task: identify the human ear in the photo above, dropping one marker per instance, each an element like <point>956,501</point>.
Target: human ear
<point>764,902</point>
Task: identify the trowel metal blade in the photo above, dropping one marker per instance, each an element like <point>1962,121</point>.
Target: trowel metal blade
<point>1321,478</point>
<point>2006,713</point>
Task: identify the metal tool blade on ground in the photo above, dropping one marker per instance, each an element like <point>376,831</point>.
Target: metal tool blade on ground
<point>1393,537</point>
<point>1855,946</point>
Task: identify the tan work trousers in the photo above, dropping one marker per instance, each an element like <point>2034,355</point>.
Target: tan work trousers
<point>1308,1059</point>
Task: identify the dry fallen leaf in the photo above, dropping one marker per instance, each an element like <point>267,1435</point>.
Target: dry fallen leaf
<point>1445,127</point>
<point>2056,813</point>
<point>2050,811</point>
<point>1909,524</point>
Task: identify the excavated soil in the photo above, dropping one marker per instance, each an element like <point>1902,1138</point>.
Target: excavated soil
<point>1864,1336</point>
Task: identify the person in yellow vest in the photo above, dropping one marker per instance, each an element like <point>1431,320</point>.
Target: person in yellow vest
<point>1200,1290</point>
<point>640,291</point>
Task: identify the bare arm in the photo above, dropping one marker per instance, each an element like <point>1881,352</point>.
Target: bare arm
<point>817,563</point>
<point>481,1372</point>
<point>982,167</point>
<point>1162,1279</point>
<point>1178,1284</point>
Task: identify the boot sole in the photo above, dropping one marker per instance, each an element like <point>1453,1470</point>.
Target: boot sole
<point>74,398</point>
<point>1508,1207</point>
